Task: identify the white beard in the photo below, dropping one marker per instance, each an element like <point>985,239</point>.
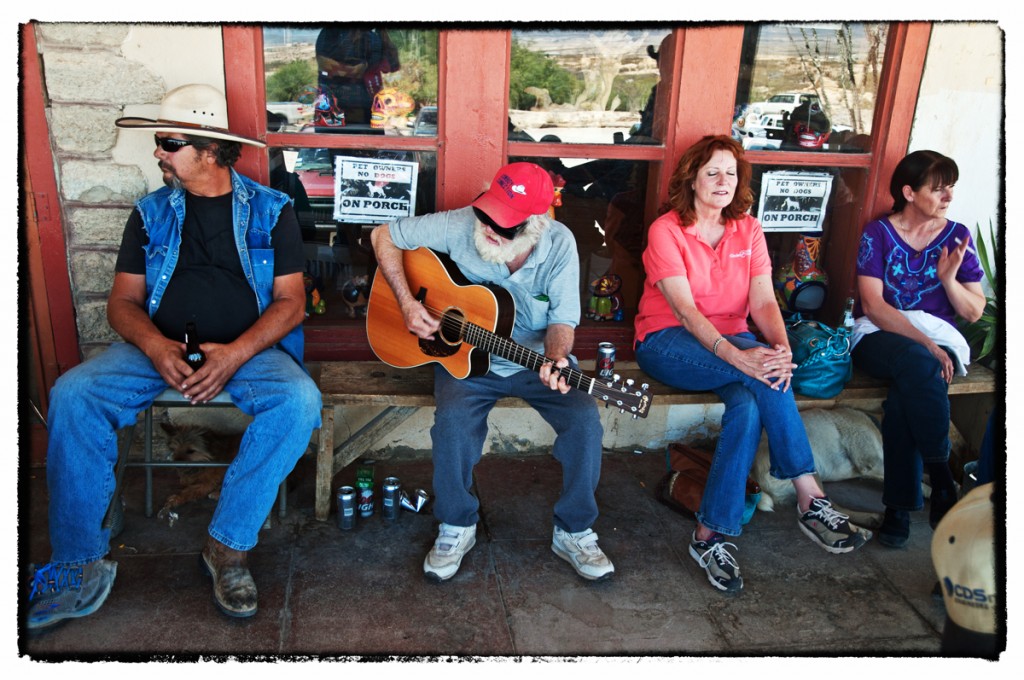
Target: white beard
<point>506,251</point>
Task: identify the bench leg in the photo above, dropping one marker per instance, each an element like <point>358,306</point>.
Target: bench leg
<point>329,462</point>
<point>324,463</point>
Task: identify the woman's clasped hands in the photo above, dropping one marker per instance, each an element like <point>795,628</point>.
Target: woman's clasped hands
<point>771,365</point>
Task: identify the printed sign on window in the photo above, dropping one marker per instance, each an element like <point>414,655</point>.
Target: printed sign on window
<point>370,191</point>
<point>793,201</point>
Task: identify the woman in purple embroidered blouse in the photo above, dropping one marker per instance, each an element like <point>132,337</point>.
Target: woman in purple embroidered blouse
<point>916,260</point>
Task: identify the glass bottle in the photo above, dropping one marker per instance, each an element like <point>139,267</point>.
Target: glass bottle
<point>848,315</point>
<point>194,356</point>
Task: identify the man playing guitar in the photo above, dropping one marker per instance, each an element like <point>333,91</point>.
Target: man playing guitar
<point>504,238</point>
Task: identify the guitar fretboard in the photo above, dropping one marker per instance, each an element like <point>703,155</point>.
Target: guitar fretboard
<point>484,339</point>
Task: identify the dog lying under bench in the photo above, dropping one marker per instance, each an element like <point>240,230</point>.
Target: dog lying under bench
<point>195,443</point>
<point>846,444</point>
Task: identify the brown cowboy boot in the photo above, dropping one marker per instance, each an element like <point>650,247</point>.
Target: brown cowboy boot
<point>233,588</point>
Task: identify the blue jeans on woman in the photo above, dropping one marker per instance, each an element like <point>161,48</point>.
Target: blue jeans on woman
<point>89,403</point>
<point>675,357</point>
<point>915,423</point>
<point>460,430</point>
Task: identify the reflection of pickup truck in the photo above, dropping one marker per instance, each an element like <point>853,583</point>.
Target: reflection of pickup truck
<point>781,103</point>
<point>296,112</point>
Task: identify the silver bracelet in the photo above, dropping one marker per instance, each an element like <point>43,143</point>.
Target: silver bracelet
<point>714,348</point>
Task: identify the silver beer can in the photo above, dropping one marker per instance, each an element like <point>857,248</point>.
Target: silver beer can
<point>391,499</point>
<point>606,361</point>
<point>346,508</point>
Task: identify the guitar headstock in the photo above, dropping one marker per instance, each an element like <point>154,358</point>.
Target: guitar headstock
<point>624,395</point>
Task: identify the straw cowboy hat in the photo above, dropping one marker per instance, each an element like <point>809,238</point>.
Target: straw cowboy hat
<point>199,110</point>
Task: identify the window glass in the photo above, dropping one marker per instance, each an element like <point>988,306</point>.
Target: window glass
<point>602,203</point>
<point>807,87</point>
<point>344,79</point>
<point>801,209</point>
<point>584,86</point>
<point>339,259</point>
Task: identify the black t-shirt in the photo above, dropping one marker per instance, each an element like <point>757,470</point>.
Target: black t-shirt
<point>209,285</point>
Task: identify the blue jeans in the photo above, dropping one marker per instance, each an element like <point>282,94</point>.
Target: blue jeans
<point>673,356</point>
<point>915,422</point>
<point>460,429</point>
<point>89,403</point>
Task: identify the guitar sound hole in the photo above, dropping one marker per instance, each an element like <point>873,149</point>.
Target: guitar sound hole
<point>449,336</point>
<point>452,323</point>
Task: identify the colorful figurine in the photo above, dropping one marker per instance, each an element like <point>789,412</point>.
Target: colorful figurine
<point>605,303</point>
<point>801,285</point>
<point>315,304</point>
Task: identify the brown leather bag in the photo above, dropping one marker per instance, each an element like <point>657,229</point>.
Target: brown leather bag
<point>682,487</point>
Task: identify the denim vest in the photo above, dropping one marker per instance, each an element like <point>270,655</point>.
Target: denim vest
<point>254,213</point>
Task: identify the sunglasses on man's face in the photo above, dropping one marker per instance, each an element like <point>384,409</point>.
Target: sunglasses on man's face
<point>507,233</point>
<point>171,145</point>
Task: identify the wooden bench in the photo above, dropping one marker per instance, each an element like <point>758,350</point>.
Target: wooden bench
<point>401,392</point>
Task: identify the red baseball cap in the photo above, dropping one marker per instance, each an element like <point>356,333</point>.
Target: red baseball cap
<point>518,191</point>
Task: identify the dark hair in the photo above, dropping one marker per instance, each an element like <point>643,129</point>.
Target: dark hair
<point>920,168</point>
<point>225,151</point>
<point>680,187</point>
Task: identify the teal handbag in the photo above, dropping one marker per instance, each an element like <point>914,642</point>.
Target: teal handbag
<point>822,356</point>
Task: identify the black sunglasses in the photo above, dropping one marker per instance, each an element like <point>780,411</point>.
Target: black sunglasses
<point>171,145</point>
<point>508,233</point>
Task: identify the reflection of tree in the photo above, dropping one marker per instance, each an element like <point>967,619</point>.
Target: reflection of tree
<point>601,69</point>
<point>290,81</point>
<point>417,51</point>
<point>534,69</point>
<point>820,66</point>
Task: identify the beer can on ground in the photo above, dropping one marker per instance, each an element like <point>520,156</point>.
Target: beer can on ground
<point>346,508</point>
<point>366,502</point>
<point>606,361</point>
<point>364,482</point>
<point>391,499</point>
<point>415,502</point>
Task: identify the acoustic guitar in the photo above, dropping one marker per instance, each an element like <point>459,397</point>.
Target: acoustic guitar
<point>476,321</point>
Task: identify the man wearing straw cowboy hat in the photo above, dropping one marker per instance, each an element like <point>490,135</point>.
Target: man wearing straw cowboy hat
<point>214,248</point>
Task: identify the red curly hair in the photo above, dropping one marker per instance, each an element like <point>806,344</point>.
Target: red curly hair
<point>680,186</point>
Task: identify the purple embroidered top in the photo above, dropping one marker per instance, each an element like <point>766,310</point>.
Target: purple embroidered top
<point>909,278</point>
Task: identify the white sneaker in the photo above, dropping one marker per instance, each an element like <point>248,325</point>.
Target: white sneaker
<point>582,552</point>
<point>451,545</point>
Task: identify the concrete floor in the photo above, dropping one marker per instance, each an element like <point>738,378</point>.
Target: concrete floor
<point>328,593</point>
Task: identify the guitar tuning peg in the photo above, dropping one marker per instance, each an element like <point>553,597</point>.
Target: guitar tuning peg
<point>616,378</point>
<point>645,387</point>
<point>629,382</point>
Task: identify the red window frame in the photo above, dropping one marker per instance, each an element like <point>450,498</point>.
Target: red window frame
<point>703,58</point>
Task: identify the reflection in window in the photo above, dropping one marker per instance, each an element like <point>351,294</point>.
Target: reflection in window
<point>339,259</point>
<point>584,87</point>
<point>807,87</point>
<point>800,258</point>
<point>342,79</point>
<point>602,203</point>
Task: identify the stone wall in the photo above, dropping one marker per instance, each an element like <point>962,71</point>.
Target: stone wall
<point>94,74</point>
<point>88,82</point>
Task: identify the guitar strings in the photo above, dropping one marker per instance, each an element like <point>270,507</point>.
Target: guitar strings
<point>486,340</point>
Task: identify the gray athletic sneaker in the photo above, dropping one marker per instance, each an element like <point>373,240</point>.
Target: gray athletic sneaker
<point>721,567</point>
<point>830,528</point>
<point>60,592</point>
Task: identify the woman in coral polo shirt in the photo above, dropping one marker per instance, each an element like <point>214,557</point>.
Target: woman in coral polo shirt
<point>708,269</point>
